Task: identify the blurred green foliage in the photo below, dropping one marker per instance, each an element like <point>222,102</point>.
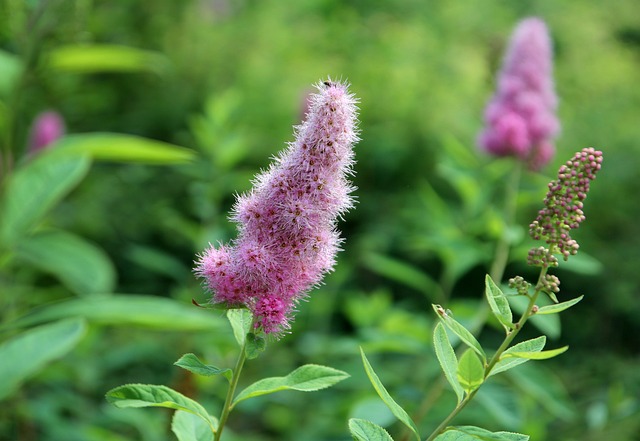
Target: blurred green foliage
<point>227,79</point>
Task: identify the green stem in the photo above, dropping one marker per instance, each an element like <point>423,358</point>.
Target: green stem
<point>496,357</point>
<point>228,402</point>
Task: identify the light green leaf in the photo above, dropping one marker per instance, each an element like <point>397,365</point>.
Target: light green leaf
<point>28,352</point>
<point>241,320</point>
<point>542,355</point>
<point>119,147</point>
<point>126,309</point>
<point>80,265</point>
<point>151,395</point>
<point>506,363</point>
<point>255,346</point>
<point>189,427</point>
<point>363,430</point>
<point>395,408</point>
<point>447,358</point>
<point>460,331</point>
<point>94,58</point>
<point>470,371</point>
<point>472,433</point>
<point>307,378</point>
<point>498,303</point>
<point>193,364</point>
<point>34,189</point>
<point>10,70</point>
<point>558,307</point>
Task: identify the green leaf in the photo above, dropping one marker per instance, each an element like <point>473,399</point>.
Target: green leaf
<point>193,364</point>
<point>241,320</point>
<point>472,433</point>
<point>10,70</point>
<point>363,430</point>
<point>28,352</point>
<point>255,346</point>
<point>126,309</point>
<point>460,331</point>
<point>506,363</point>
<point>34,189</point>
<point>395,408</point>
<point>80,265</point>
<point>542,355</point>
<point>189,427</point>
<point>470,371</point>
<point>558,307</point>
<point>119,147</point>
<point>401,272</point>
<point>307,378</point>
<point>447,358</point>
<point>94,58</point>
<point>498,303</point>
<point>151,395</point>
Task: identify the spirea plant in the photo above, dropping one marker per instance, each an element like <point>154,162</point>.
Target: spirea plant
<point>287,241</point>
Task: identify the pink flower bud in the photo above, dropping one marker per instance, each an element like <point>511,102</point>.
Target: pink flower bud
<point>47,128</point>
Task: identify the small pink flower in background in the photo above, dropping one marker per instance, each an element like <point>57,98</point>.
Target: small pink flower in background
<point>520,118</point>
<point>45,130</point>
<point>287,236</point>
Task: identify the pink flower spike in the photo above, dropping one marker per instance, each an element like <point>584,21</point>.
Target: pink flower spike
<point>287,236</point>
<point>520,118</point>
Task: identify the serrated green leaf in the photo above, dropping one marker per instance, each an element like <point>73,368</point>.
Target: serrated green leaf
<point>462,332</point>
<point>80,265</point>
<point>34,189</point>
<point>152,395</point>
<point>498,303</point>
<point>504,364</point>
<point>118,147</point>
<point>94,58</point>
<point>240,320</point>
<point>395,408</point>
<point>255,346</point>
<point>542,355</point>
<point>470,372</point>
<point>126,309</point>
<point>189,427</point>
<point>193,364</point>
<point>558,307</point>
<point>363,430</point>
<point>307,378</point>
<point>447,358</point>
<point>472,433</point>
<point>28,352</point>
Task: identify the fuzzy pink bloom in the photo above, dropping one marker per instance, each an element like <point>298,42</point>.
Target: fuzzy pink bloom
<point>520,118</point>
<point>287,236</point>
<point>46,129</point>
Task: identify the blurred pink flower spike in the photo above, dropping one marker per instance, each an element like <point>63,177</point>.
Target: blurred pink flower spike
<point>287,237</point>
<point>520,119</point>
<point>47,128</point>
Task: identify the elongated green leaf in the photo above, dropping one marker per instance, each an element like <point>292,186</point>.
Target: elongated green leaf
<point>395,408</point>
<point>193,364</point>
<point>470,371</point>
<point>363,430</point>
<point>506,363</point>
<point>460,331</point>
<point>124,309</point>
<point>240,320</point>
<point>307,378</point>
<point>558,307</point>
<point>542,355</point>
<point>27,353</point>
<point>152,395</point>
<point>472,433</point>
<point>447,358</point>
<point>119,147</point>
<point>81,266</point>
<point>498,303</point>
<point>95,58</point>
<point>401,272</point>
<point>34,189</point>
<point>189,427</point>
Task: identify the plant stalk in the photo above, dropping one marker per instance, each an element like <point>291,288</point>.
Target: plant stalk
<point>231,391</point>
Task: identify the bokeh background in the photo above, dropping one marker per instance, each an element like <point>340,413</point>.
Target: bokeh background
<point>228,79</point>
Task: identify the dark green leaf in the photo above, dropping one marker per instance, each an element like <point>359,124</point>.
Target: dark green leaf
<point>498,303</point>
<point>189,427</point>
<point>193,364</point>
<point>363,430</point>
<point>447,358</point>
<point>470,371</point>
<point>460,331</point>
<point>255,346</point>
